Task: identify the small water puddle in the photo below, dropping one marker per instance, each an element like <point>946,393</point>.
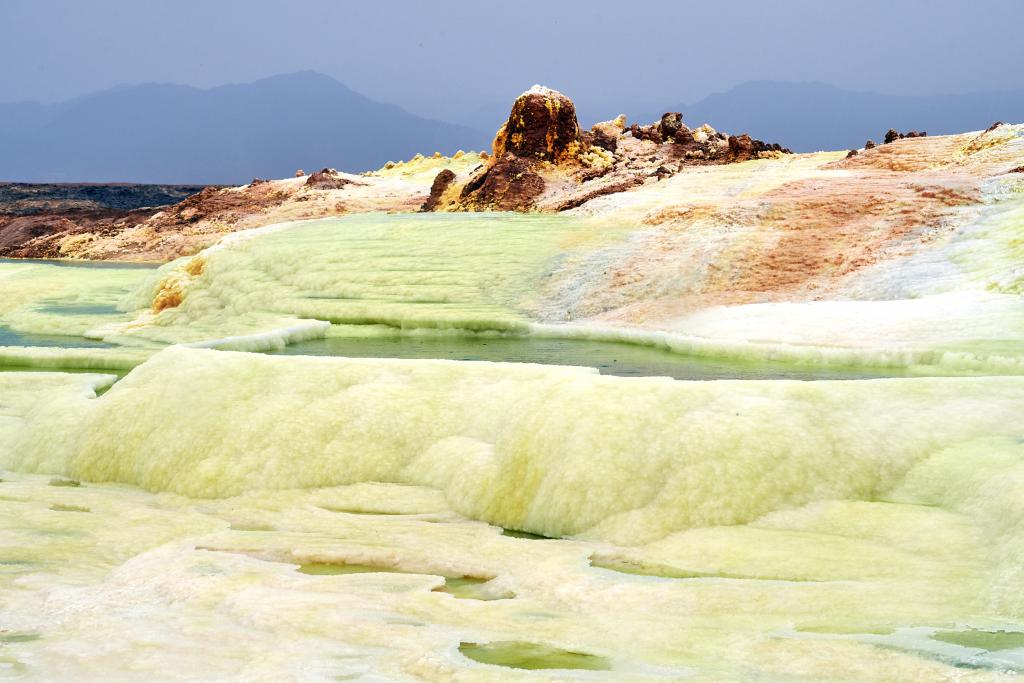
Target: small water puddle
<point>462,587</point>
<point>517,654</point>
<point>515,533</point>
<point>992,641</point>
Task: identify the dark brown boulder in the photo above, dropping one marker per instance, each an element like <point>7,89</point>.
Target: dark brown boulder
<point>870,144</point>
<point>670,124</point>
<point>542,126</point>
<point>442,181</point>
<point>652,133</point>
<point>742,147</point>
<point>894,135</point>
<point>603,138</point>
<point>510,184</point>
<point>684,138</point>
<point>605,134</point>
<point>327,179</point>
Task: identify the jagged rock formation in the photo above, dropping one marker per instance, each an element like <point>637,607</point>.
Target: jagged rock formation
<point>543,161</point>
<point>892,135</point>
<point>541,129</point>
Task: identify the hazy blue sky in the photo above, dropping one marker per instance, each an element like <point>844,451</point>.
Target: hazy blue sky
<point>436,58</point>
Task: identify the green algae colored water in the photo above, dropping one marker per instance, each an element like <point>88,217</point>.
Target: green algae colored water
<point>610,358</point>
<point>986,640</point>
<point>75,263</point>
<point>464,587</point>
<point>522,655</point>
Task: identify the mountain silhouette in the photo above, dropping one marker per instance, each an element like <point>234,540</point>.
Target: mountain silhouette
<point>808,117</point>
<point>159,133</point>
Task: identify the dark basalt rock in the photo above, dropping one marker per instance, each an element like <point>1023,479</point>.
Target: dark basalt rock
<point>870,144</point>
<point>892,135</point>
<point>442,181</point>
<point>852,153</point>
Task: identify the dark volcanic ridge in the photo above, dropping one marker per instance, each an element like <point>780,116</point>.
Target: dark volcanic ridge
<point>24,199</point>
<point>30,211</point>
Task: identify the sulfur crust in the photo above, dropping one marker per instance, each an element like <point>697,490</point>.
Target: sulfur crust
<point>557,451</point>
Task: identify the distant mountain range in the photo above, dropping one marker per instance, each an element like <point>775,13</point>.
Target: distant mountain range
<point>269,128</point>
<point>178,134</point>
<point>809,117</point>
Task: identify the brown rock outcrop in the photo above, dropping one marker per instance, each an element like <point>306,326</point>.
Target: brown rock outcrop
<point>743,147</point>
<point>543,162</point>
<point>671,123</point>
<point>892,135</point>
<point>510,184</point>
<point>651,133</point>
<point>442,181</point>
<point>541,131</point>
<point>606,133</point>
<point>542,125</point>
<point>327,179</point>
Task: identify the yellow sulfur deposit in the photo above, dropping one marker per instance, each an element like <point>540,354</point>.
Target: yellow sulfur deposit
<point>164,486</point>
<point>825,528</point>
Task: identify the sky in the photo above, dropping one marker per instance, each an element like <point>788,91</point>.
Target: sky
<point>439,58</point>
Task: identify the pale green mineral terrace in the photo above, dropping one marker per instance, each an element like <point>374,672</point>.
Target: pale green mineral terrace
<point>340,518</point>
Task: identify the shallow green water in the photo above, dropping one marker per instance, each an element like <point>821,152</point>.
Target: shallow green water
<point>610,358</point>
<point>522,655</point>
<point>464,587</point>
<point>986,640</point>
<point>74,263</point>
